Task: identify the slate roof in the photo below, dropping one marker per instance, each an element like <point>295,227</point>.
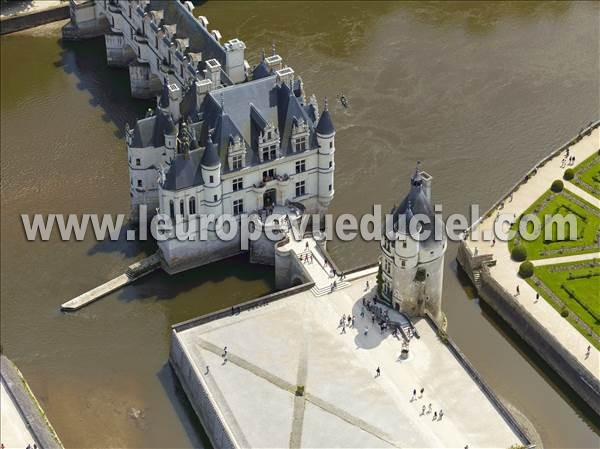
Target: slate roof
<point>151,131</point>
<point>325,125</point>
<point>415,203</point>
<point>243,111</point>
<point>201,40</point>
<point>184,172</point>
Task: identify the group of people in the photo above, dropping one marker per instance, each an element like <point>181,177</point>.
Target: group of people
<point>437,416</point>
<point>570,159</point>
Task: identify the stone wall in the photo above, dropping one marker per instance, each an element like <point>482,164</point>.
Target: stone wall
<point>33,19</point>
<point>28,406</point>
<point>289,271</point>
<point>535,335</point>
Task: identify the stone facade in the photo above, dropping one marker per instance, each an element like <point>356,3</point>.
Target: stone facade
<point>412,267</point>
<point>223,139</point>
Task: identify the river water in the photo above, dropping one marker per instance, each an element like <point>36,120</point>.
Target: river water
<point>477,91</point>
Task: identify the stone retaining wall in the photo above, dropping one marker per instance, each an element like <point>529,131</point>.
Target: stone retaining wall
<point>540,339</point>
<point>28,406</point>
<point>485,388</point>
<point>33,19</point>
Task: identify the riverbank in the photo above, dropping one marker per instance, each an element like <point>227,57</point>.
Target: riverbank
<point>17,16</point>
<point>24,422</point>
<point>495,275</point>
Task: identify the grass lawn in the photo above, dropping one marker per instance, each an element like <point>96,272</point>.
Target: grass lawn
<point>578,288</point>
<point>552,204</point>
<point>589,179</point>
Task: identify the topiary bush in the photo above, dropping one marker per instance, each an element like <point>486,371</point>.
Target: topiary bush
<point>526,269</point>
<point>557,186</point>
<point>518,253</point>
<point>569,174</point>
<point>564,312</point>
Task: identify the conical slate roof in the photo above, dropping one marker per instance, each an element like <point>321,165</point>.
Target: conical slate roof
<point>260,71</point>
<point>325,126</point>
<point>210,158</point>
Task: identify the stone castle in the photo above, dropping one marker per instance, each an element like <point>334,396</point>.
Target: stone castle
<point>224,138</point>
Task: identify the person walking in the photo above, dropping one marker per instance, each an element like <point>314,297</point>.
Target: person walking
<point>518,291</point>
<point>423,411</point>
<point>441,414</point>
<point>429,410</point>
<point>377,372</point>
<point>422,391</point>
<point>434,416</point>
<point>366,330</point>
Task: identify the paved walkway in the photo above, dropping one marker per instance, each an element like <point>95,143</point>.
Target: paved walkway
<point>14,432</point>
<point>565,259</point>
<point>297,341</point>
<point>583,194</point>
<point>506,271</point>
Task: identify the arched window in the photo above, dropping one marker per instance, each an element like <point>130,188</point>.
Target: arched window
<point>172,209</point>
<point>181,207</point>
<point>192,205</point>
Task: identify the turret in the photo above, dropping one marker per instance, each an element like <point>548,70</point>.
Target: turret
<point>326,140</point>
<point>406,247</point>
<point>211,174</point>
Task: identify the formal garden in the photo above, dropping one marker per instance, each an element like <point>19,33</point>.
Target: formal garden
<point>549,243</point>
<point>587,175</point>
<point>572,289</point>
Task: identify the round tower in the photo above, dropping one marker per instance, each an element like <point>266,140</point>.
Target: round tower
<point>406,247</point>
<point>326,140</point>
<point>211,175</point>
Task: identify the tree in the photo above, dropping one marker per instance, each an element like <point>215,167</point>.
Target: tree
<point>379,280</point>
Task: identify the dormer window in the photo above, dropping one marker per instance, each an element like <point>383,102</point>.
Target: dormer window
<point>236,153</point>
<point>268,143</point>
<point>299,137</point>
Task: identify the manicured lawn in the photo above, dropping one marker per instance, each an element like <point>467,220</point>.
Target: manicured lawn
<point>550,245</point>
<point>589,179</point>
<point>578,287</point>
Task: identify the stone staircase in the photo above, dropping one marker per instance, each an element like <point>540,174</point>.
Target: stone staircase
<point>320,273</point>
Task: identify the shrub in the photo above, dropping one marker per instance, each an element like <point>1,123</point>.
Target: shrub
<point>526,270</point>
<point>518,253</point>
<point>557,186</point>
<point>564,312</point>
<point>569,174</point>
<point>300,390</point>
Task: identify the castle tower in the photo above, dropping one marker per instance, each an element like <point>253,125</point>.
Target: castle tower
<point>211,174</point>
<point>412,258</point>
<point>326,139</point>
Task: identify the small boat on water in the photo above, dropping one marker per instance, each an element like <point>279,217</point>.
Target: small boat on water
<point>343,100</point>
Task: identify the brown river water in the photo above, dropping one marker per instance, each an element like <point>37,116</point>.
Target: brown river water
<point>478,91</point>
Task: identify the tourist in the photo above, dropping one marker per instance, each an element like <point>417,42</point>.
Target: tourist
<point>366,330</point>
<point>573,160</point>
<point>510,198</point>
<point>423,411</point>
<point>353,320</point>
<point>367,286</point>
<point>537,296</point>
<point>422,391</point>
<point>440,415</point>
<point>349,319</point>
<point>518,291</point>
<point>434,416</point>
<point>587,353</point>
<point>429,409</point>
<point>343,329</point>
<point>493,242</point>
<point>377,372</point>
<point>414,396</point>
<point>567,151</point>
<point>306,246</point>
<point>224,352</point>
<point>206,370</point>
